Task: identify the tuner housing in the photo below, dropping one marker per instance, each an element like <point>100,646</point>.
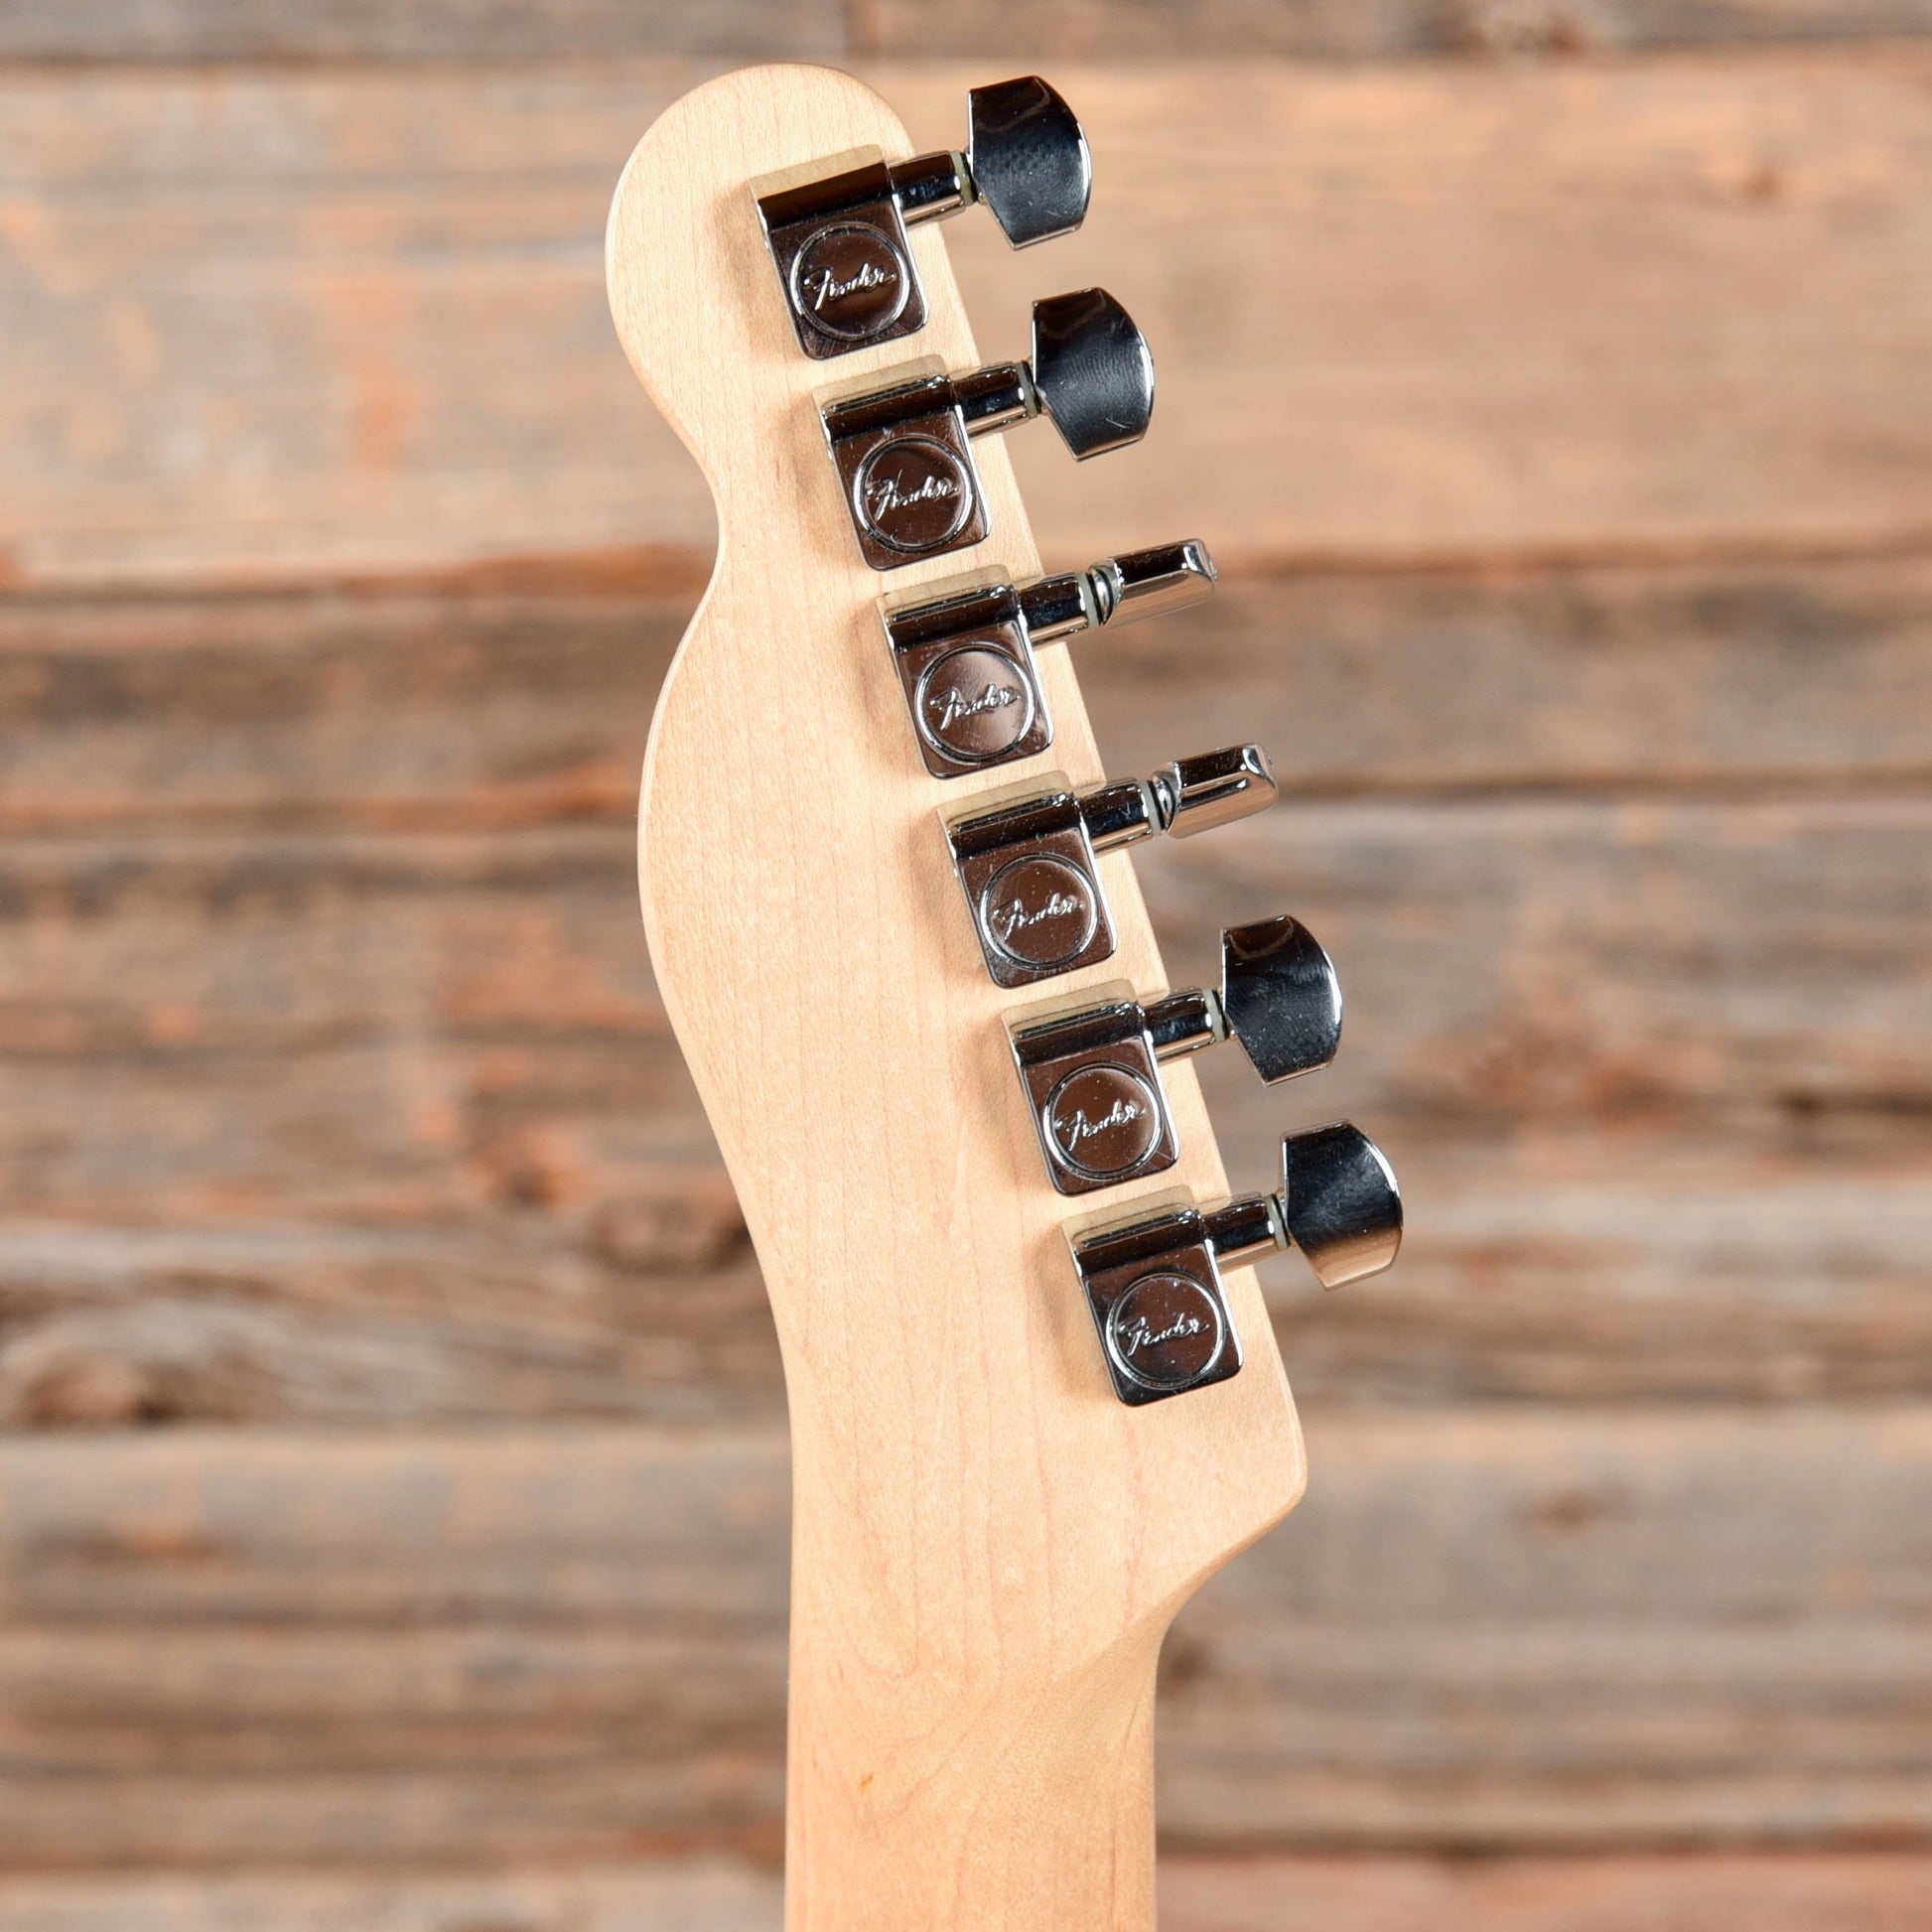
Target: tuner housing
<point>1092,1074</point>
<point>964,650</point>
<point>1033,888</point>
<point>1153,1289</point>
<point>1092,1081</point>
<point>1153,1281</point>
<point>902,448</point>
<point>906,466</point>
<point>1029,868</point>
<point>844,261</point>
<point>965,661</point>
<point>839,240</point>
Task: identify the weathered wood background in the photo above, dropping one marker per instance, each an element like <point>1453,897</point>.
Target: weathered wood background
<point>392,1504</point>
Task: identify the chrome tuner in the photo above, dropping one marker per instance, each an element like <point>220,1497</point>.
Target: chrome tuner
<point>1092,1077</point>
<point>1029,867</point>
<point>965,654</point>
<point>1154,1284</point>
<point>903,450</point>
<point>839,242</point>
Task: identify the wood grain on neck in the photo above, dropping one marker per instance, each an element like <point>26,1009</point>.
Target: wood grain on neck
<point>987,1547</point>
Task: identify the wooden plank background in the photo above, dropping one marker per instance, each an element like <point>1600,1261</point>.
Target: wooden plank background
<point>392,1486</point>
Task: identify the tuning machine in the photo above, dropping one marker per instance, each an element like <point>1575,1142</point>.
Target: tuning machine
<point>903,451</point>
<point>840,244</point>
<point>965,655</point>
<point>1092,1077</point>
<point>1154,1284</point>
<point>1029,867</point>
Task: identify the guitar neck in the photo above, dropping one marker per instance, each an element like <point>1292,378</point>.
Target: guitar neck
<point>1008,1802</point>
<point>1022,1435</point>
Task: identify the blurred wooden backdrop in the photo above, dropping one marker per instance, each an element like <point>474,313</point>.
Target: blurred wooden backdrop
<point>392,1504</point>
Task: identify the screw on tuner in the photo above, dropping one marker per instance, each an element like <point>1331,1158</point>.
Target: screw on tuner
<point>904,450</point>
<point>1093,1076</point>
<point>1154,1284</point>
<point>1029,867</point>
<point>839,242</point>
<point>965,649</point>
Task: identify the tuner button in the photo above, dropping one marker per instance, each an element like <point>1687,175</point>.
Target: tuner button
<point>1213,789</point>
<point>1092,371</point>
<point>1280,996</point>
<point>1029,160</point>
<point>1151,583</point>
<point>1341,1203</point>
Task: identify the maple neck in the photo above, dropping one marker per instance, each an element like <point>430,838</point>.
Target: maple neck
<point>989,1541</point>
<point>926,1789</point>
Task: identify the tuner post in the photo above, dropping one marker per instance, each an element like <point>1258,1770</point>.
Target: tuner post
<point>965,654</point>
<point>1092,1077</point>
<point>903,450</point>
<point>1030,869</point>
<point>1153,1283</point>
<point>839,243</point>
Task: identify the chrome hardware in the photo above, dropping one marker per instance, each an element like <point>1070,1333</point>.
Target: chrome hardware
<point>965,657</point>
<point>1029,867</point>
<point>1148,583</point>
<point>839,243</point>
<point>1280,997</point>
<point>1154,1284</point>
<point>1093,1087</point>
<point>1028,160</point>
<point>902,451</point>
<point>1340,1204</point>
<point>1093,371</point>
<point>1201,795</point>
<point>1092,1078</point>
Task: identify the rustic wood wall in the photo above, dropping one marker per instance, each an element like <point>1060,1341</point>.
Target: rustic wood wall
<point>392,1495</point>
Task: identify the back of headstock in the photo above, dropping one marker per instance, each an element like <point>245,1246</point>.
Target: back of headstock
<point>992,1528</point>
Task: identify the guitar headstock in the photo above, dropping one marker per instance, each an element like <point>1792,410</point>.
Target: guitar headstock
<point>895,925</point>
